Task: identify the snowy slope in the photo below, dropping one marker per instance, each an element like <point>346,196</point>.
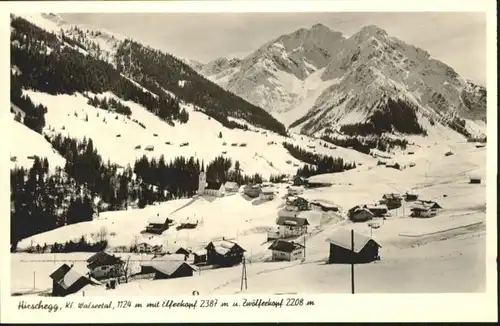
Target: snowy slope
<point>116,137</point>
<point>30,144</point>
<point>448,241</point>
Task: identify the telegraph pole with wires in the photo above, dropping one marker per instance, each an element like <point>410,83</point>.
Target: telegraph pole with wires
<point>244,275</point>
<point>352,262</point>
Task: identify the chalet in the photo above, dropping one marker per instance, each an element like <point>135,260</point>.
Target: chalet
<point>224,253</point>
<point>172,269</point>
<point>360,215</point>
<point>149,148</point>
<point>267,193</point>
<point>342,251</point>
<point>158,224</point>
<point>144,247</point>
<point>378,210</point>
<point>291,226</point>
<point>147,267</point>
<point>103,265</point>
<point>299,202</point>
<point>199,256</point>
<point>66,280</point>
<point>449,153</point>
<point>409,196</point>
<point>183,251</point>
<point>324,206</point>
<point>231,187</point>
<point>187,225</point>
<point>429,203</point>
<point>392,200</point>
<point>286,250</point>
<point>252,191</point>
<point>419,210</point>
<point>295,191</point>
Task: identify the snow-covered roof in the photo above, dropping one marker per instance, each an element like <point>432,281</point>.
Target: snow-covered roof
<point>168,267</point>
<point>231,185</point>
<point>292,220</point>
<point>342,237</point>
<point>285,246</point>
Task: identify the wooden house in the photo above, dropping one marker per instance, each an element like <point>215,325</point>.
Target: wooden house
<point>299,202</point>
<point>422,211</point>
<point>342,252</point>
<point>267,193</point>
<point>158,224</point>
<point>224,253</point>
<point>147,266</point>
<point>361,215</point>
<point>183,251</point>
<point>323,206</point>
<point>286,250</point>
<point>231,187</point>
<point>291,225</point>
<point>378,210</point>
<point>410,197</point>
<point>392,200</point>
<point>199,256</point>
<point>252,191</point>
<point>149,148</point>
<point>144,247</point>
<point>103,265</point>
<point>430,203</point>
<point>66,280</point>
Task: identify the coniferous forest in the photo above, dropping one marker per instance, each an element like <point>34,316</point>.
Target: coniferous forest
<point>317,164</point>
<point>43,199</point>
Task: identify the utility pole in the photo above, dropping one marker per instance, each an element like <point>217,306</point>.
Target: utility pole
<point>304,246</point>
<point>352,262</point>
<point>243,275</point>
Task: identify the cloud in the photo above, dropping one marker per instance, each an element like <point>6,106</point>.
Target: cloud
<point>458,38</point>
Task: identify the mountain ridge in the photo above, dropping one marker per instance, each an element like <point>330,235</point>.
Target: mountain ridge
<point>370,60</point>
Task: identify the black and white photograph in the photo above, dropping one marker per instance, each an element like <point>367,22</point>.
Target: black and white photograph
<point>236,153</point>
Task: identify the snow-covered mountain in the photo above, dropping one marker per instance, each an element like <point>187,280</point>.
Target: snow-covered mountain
<point>315,80</point>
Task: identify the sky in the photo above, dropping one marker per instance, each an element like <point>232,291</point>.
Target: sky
<point>458,39</point>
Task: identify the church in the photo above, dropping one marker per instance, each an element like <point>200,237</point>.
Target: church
<point>215,189</point>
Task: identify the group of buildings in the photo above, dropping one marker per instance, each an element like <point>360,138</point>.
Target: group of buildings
<point>389,201</point>
<point>106,267</point>
<point>219,189</point>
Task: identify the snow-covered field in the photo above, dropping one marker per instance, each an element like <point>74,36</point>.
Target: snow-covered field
<point>262,153</point>
<point>445,253</point>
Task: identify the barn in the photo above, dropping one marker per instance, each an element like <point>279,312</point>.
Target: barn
<point>378,210</point>
<point>66,280</point>
<point>286,250</point>
<point>199,256</point>
<point>392,200</point>
<point>224,253</point>
<point>103,265</point>
<point>158,224</point>
<point>342,251</point>
<point>360,215</point>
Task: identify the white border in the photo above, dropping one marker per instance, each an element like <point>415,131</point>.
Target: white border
<point>338,307</point>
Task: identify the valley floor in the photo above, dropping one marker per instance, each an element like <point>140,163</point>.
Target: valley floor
<point>442,254</point>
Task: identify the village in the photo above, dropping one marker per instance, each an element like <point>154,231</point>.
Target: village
<point>286,242</point>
